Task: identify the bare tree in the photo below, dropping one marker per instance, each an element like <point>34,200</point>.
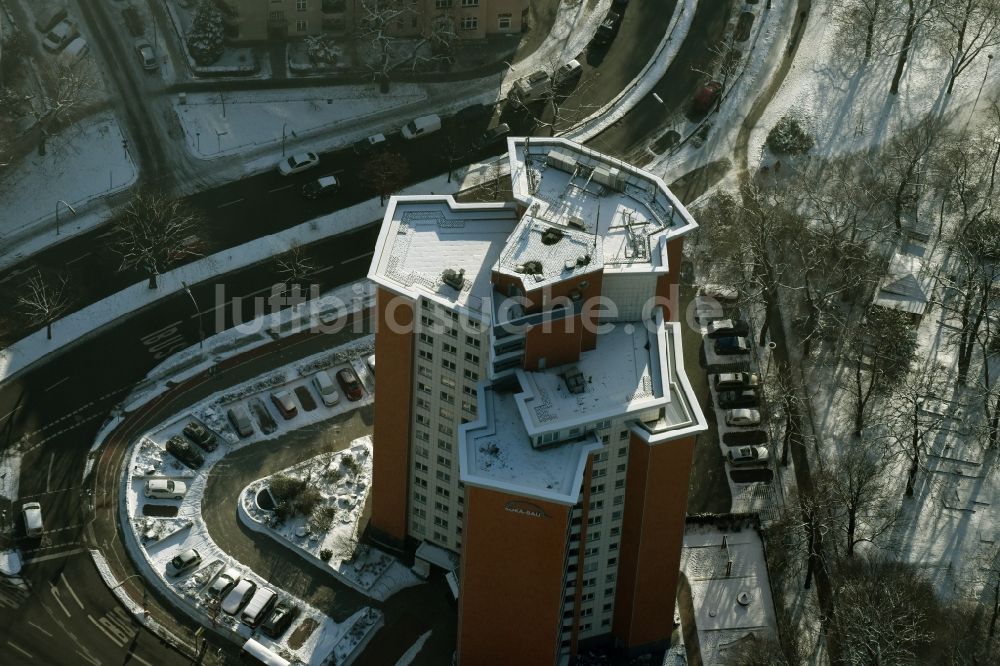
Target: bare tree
<point>154,233</point>
<point>381,22</point>
<point>915,417</point>
<point>386,172</point>
<point>906,160</point>
<point>862,494</point>
<point>884,612</point>
<point>72,87</point>
<point>965,29</point>
<point>294,266</point>
<point>880,352</point>
<point>796,538</point>
<point>782,393</point>
<point>865,21</point>
<point>43,300</point>
<point>918,14</point>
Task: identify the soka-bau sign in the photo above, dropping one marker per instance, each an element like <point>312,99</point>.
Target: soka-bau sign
<point>526,509</point>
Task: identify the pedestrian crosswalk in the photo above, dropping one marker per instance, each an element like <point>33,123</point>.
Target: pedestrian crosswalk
<point>12,597</point>
<point>117,625</point>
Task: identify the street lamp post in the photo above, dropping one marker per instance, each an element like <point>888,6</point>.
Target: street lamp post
<point>71,209</point>
<point>197,310</point>
<point>283,127</point>
<point>198,136</point>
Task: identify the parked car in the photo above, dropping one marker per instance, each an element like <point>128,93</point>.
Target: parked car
<point>32,512</point>
<point>297,163</point>
<point>370,362</point>
<point>238,596</point>
<point>184,561</point>
<point>165,489</point>
<point>608,29</point>
<point>264,418</point>
<point>221,584</point>
<point>369,143</point>
<point>741,398</point>
<point>183,451</point>
<point>706,97</point>
<point>742,418</point>
<point>350,384</point>
<point>147,56</point>
<point>493,135</point>
<point>566,73</point>
<point>75,51</point>
<point>200,435</point>
<point>421,126</point>
<point>314,189</point>
<point>728,381</point>
<point>259,607</point>
<point>285,403</point>
<point>58,37</point>
<point>281,618</point>
<point>732,345</point>
<point>327,390</point>
<point>727,327</point>
<point>747,455</point>
<point>531,88</point>
<point>240,419</point>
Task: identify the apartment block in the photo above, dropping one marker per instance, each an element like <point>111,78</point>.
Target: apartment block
<point>255,20</point>
<point>532,413</point>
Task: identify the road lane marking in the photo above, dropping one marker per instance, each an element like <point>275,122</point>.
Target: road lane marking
<point>48,476</point>
<point>10,413</point>
<point>64,379</point>
<point>40,629</point>
<point>89,659</point>
<point>138,658</point>
<point>231,203</point>
<point>70,590</point>
<point>113,633</point>
<point>82,256</point>
<point>21,650</point>
<point>360,256</point>
<point>55,556</point>
<point>278,189</point>
<point>55,593</point>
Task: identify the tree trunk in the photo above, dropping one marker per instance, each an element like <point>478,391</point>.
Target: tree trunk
<point>869,36</point>
<point>994,430</point>
<point>911,475</point>
<point>852,524</point>
<point>904,50</point>
<point>152,281</point>
<point>48,330</point>
<point>786,440</point>
<point>996,608</point>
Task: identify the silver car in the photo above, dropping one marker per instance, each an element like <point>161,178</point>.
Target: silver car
<point>147,56</point>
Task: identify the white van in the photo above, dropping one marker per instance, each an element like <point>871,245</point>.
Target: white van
<point>422,126</point>
<point>259,652</point>
<point>258,607</point>
<point>528,89</point>
<point>326,388</point>
<point>33,519</point>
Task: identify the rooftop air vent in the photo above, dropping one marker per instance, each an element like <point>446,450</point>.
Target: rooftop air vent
<point>551,236</point>
<point>575,221</point>
<point>529,268</point>
<point>583,260</point>
<point>453,278</point>
<point>575,383</point>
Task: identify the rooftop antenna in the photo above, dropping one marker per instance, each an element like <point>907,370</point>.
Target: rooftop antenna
<point>597,225</point>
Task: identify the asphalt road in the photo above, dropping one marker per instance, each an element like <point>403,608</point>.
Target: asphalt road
<point>60,403</point>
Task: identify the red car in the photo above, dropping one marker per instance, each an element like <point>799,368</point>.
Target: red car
<point>350,384</point>
<point>707,97</point>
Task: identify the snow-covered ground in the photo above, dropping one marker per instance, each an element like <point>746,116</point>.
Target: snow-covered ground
<point>162,538</point>
<point>10,473</point>
<point>81,165</point>
<point>344,480</point>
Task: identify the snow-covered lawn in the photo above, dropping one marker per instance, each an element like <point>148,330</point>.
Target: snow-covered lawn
<point>81,163</point>
<point>157,539</point>
<point>228,123</point>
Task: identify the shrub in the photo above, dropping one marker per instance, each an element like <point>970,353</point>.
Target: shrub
<point>322,517</point>
<point>205,37</point>
<point>307,500</point>
<point>325,554</point>
<point>789,137</point>
<point>351,464</point>
<point>285,488</point>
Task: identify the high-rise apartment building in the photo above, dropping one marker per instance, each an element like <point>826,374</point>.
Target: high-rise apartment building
<point>532,411</point>
<point>255,20</point>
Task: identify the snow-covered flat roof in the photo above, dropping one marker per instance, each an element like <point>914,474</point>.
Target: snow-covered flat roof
<point>630,210</point>
<point>422,237</point>
<point>495,452</point>
<point>558,253</point>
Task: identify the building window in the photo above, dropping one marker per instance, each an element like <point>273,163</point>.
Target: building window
<point>447,398</point>
<point>597,505</point>
<point>472,358</point>
<point>470,3</point>
<point>620,468</point>
<point>422,452</point>
<point>619,500</point>
<point>474,376</point>
<point>441,507</point>
<point>300,26</point>
<point>600,457</point>
<point>426,339</point>
<point>468,406</point>
<point>301,5</point>
<point>447,381</point>
<point>440,522</point>
<point>623,435</point>
<point>451,333</point>
<point>444,460</point>
<point>451,349</point>
<point>419,497</point>
<point>617,515</point>
<point>424,354</point>
<point>443,476</point>
<point>423,436</point>
<point>417,527</point>
<point>276,16</point>
<point>593,520</point>
<point>420,513</point>
<point>599,473</point>
<point>470,23</point>
<point>448,365</point>
<point>443,4</point>
<point>619,484</point>
<point>440,537</point>
<point>442,492</point>
<point>424,372</point>
<point>444,446</point>
<point>420,482</point>
<point>615,531</point>
<point>472,342</point>
<point>420,466</point>
<point>469,390</point>
<point>446,430</point>
<point>423,419</point>
<point>503,21</point>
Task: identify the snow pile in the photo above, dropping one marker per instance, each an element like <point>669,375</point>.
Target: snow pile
<point>10,474</point>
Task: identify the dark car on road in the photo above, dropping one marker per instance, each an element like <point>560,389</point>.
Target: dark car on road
<point>350,384</point>
<point>608,28</point>
<point>181,449</point>
<point>264,418</point>
<point>732,345</point>
<point>280,619</point>
<point>493,135</point>
<point>744,398</point>
<point>706,97</point>
<point>200,435</point>
<point>314,189</point>
<point>473,113</point>
<point>721,328</point>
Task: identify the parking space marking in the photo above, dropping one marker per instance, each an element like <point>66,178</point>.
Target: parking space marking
<point>64,379</point>
<point>21,650</point>
<point>230,203</point>
<point>278,189</point>
<point>360,256</point>
<point>70,589</point>
<point>89,659</point>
